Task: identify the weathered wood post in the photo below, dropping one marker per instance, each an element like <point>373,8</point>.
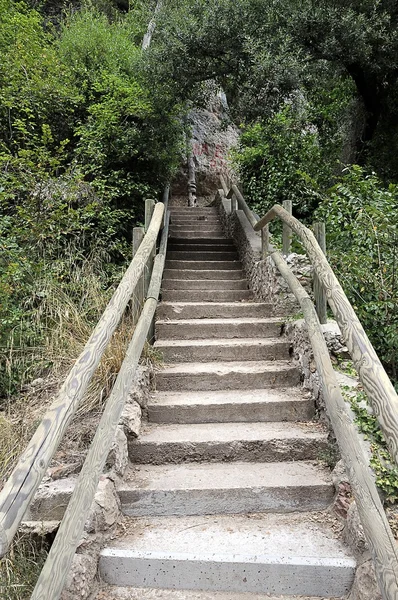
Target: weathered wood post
<point>264,241</point>
<point>287,232</point>
<point>234,201</point>
<point>192,198</point>
<point>149,208</point>
<point>319,290</point>
<point>138,299</point>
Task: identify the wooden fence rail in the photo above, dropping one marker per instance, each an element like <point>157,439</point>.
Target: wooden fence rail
<point>53,575</point>
<point>374,379</point>
<point>376,382</point>
<point>20,488</point>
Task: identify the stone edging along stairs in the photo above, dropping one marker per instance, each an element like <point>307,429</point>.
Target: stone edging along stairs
<point>227,499</point>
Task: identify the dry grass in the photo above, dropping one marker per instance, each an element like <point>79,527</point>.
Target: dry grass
<point>64,322</point>
<point>20,569</point>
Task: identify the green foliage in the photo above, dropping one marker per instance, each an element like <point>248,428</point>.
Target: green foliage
<point>381,462</point>
<point>278,160</point>
<point>84,138</point>
<point>361,218</point>
<point>128,141</point>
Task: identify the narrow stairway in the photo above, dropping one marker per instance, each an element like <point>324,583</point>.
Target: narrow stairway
<point>225,497</point>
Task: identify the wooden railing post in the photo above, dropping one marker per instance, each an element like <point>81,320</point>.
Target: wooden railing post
<point>377,385</point>
<point>287,232</point>
<point>319,290</point>
<point>138,236</point>
<point>149,208</point>
<point>264,241</point>
<point>19,489</point>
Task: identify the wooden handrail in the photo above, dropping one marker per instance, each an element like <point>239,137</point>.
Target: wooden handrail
<point>372,375</point>
<point>373,518</point>
<point>56,568</point>
<point>20,488</point>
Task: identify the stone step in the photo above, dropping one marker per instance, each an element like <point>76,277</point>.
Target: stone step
<point>220,488</point>
<point>192,233</point>
<point>216,241</point>
<point>227,376</point>
<point>199,329</point>
<point>230,406</point>
<point>192,274</point>
<point>187,220</point>
<point>204,284</point>
<point>212,310</point>
<point>223,349</point>
<point>206,295</point>
<point>193,211</point>
<point>110,592</point>
<point>199,256</point>
<point>274,554</point>
<point>205,265</point>
<point>196,226</point>
<point>230,442</point>
<point>199,246</point>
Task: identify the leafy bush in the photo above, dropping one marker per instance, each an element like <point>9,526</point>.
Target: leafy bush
<point>361,218</point>
<point>278,160</point>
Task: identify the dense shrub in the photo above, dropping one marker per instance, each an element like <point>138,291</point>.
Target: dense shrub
<point>361,218</point>
<point>84,138</point>
<point>278,160</point>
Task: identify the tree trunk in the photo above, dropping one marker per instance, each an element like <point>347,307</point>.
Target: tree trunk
<point>146,42</point>
<point>372,97</point>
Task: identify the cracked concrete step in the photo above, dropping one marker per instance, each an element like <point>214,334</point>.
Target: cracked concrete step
<point>198,226</point>
<point>199,247</point>
<point>203,220</point>
<point>204,284</point>
<point>203,256</point>
<point>232,442</point>
<point>199,329</point>
<point>212,310</point>
<point>223,349</point>
<point>193,233</point>
<point>204,264</point>
<point>275,554</point>
<point>108,592</point>
<point>223,241</point>
<point>220,488</point>
<point>186,211</point>
<point>195,274</point>
<point>230,406</point>
<point>206,295</point>
<point>227,375</point>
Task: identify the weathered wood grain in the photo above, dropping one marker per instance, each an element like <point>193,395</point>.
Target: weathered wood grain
<point>27,475</point>
<point>264,241</point>
<point>55,571</point>
<point>287,232</point>
<point>242,204</point>
<point>165,200</point>
<point>319,292</point>
<point>374,379</point>
<point>149,208</point>
<point>373,518</point>
<point>192,199</point>
<point>138,297</point>
<point>224,185</point>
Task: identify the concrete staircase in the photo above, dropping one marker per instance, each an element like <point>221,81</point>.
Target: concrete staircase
<point>225,497</point>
